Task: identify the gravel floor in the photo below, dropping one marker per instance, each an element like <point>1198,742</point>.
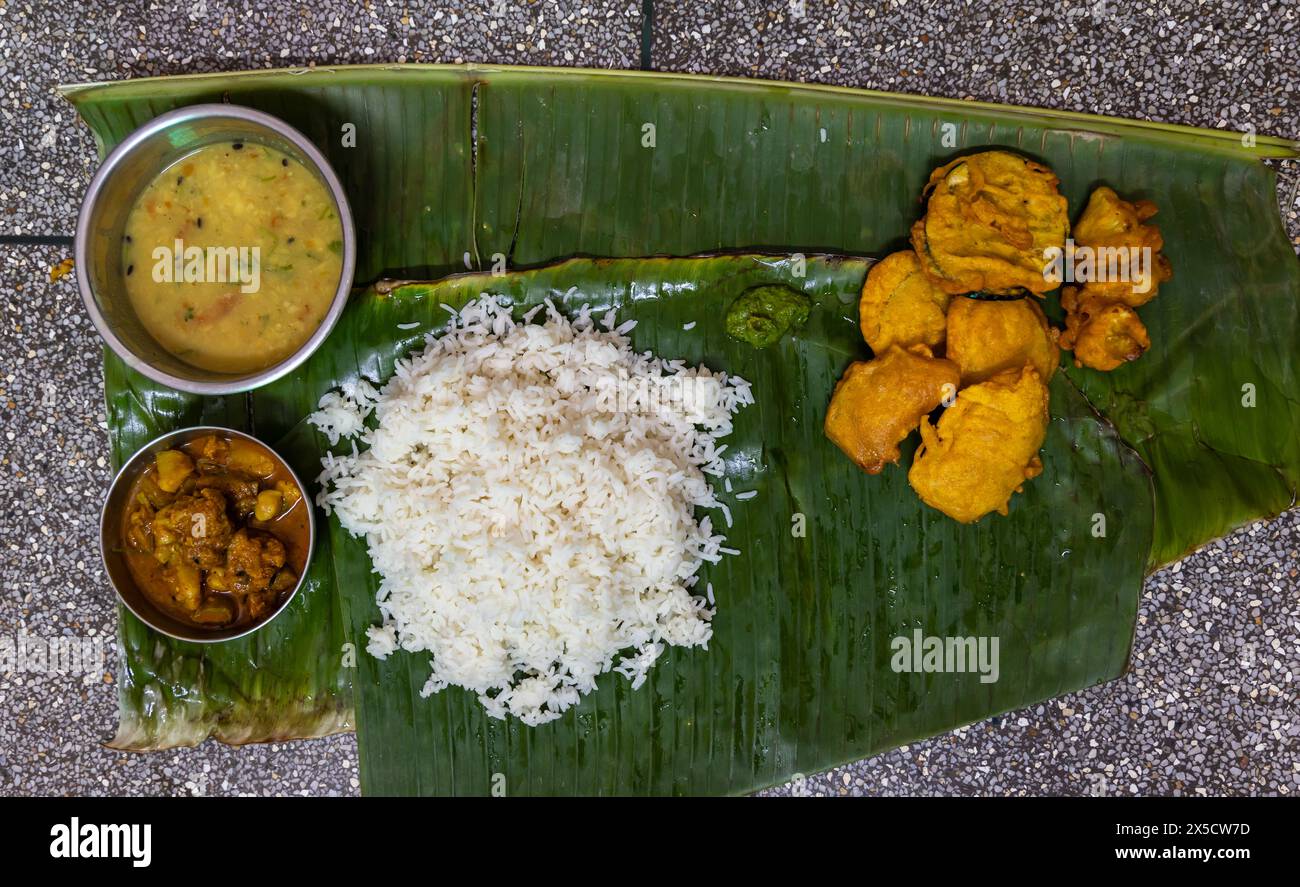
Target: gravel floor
<point>1210,706</point>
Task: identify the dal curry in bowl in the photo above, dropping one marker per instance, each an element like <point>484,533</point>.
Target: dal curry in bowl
<point>232,256</point>
<point>215,249</point>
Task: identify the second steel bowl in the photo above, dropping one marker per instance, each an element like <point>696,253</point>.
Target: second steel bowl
<point>112,545</point>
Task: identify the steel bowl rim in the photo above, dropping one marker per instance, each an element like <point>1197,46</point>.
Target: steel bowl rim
<point>119,477</point>
<point>106,170</point>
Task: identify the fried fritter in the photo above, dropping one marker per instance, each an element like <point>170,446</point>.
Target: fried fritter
<point>989,222</point>
<point>901,306</point>
<point>984,448</point>
<point>878,403</point>
<point>989,337</point>
<point>1121,249</point>
<point>1102,333</point>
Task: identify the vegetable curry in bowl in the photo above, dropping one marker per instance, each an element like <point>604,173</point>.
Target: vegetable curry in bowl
<point>216,532</point>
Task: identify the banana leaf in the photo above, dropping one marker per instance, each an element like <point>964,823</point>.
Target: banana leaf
<point>562,167</point>
<point>835,564</point>
<point>455,166</point>
<point>474,166</point>
<point>798,676</point>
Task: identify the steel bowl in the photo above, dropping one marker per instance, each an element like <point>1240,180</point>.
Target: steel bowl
<point>113,514</point>
<point>113,191</point>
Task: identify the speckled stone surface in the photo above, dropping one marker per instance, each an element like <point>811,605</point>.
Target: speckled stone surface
<point>49,155</point>
<point>1210,706</point>
<point>1221,65</point>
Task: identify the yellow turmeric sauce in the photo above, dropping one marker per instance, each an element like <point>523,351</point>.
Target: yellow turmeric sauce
<point>232,256</point>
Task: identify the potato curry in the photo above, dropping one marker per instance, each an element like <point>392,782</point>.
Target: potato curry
<point>216,533</point>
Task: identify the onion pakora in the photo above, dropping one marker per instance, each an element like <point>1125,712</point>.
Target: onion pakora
<point>990,221</point>
<point>1123,257</point>
<point>1118,260</point>
<point>989,337</point>
<point>878,403</point>
<point>900,305</point>
<point>984,448</point>
<point>1101,333</point>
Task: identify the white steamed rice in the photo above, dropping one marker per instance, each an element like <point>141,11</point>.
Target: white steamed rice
<point>528,499</point>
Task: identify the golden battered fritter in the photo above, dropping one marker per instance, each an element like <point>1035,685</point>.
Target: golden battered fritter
<point>984,448</point>
<point>989,222</point>
<point>989,337</point>
<point>1113,232</point>
<point>901,306</point>
<point>878,403</point>
<point>1113,242</point>
<point>1102,334</point>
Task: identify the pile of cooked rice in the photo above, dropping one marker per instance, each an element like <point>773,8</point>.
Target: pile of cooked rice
<point>528,498</point>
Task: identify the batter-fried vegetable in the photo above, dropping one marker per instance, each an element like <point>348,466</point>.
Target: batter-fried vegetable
<point>986,338</point>
<point>901,306</point>
<point>762,315</point>
<point>984,448</point>
<point>989,223</point>
<point>1121,249</point>
<point>878,403</point>
<point>1101,333</point>
<point>1125,267</point>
